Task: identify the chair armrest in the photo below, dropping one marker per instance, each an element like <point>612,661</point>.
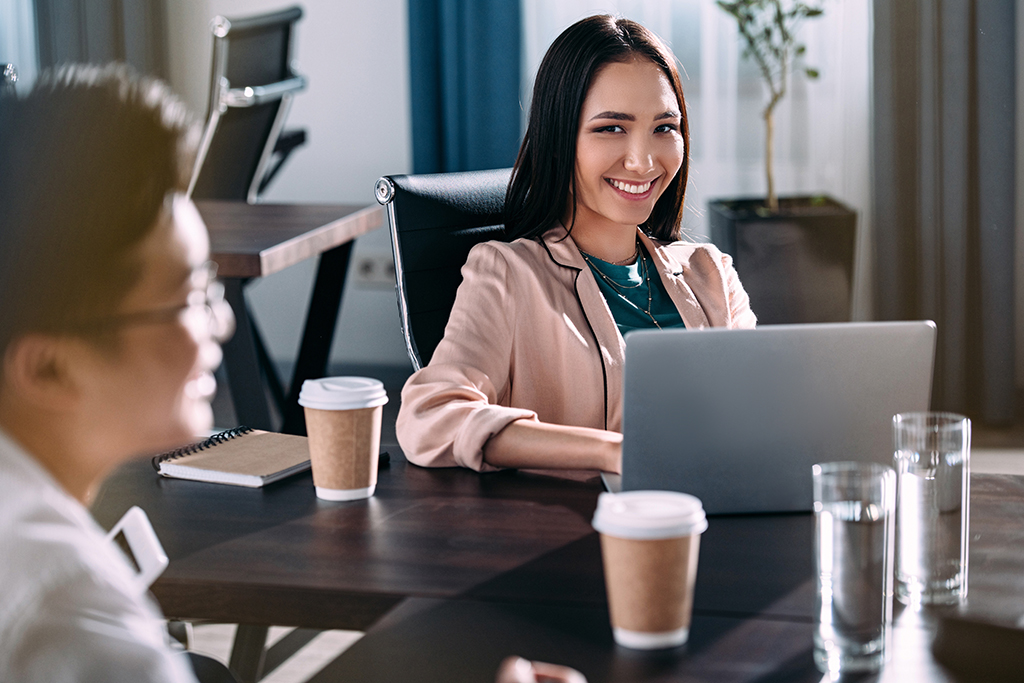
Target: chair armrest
<point>249,96</point>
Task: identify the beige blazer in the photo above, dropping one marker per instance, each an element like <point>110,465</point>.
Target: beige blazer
<point>531,337</point>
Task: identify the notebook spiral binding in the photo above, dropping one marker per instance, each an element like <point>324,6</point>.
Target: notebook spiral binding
<point>214,440</point>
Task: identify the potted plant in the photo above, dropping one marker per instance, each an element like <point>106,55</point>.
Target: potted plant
<point>794,255</point>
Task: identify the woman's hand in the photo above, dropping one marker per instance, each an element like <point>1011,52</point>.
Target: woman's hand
<point>527,444</point>
<point>519,670</point>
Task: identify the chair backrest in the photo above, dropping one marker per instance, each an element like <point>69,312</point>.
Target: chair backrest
<point>8,77</point>
<point>435,220</point>
<point>251,89</point>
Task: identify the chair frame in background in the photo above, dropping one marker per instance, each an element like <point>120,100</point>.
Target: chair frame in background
<point>8,79</point>
<point>224,97</point>
<point>434,220</point>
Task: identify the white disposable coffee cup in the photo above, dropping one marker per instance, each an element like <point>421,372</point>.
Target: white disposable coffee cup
<point>649,545</point>
<point>343,416</point>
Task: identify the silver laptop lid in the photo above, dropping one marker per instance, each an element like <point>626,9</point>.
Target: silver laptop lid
<point>737,417</point>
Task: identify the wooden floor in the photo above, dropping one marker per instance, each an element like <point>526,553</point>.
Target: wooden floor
<point>997,460</point>
<point>215,641</point>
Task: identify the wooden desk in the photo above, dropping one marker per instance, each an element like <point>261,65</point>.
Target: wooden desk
<point>753,615</point>
<point>481,566</point>
<point>278,555</point>
<point>254,240</point>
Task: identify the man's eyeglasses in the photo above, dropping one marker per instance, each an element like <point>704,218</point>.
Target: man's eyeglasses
<point>205,308</point>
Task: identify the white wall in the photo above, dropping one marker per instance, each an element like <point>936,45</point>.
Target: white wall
<point>356,115</point>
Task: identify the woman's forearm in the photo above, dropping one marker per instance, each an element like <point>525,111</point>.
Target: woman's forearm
<point>539,445</point>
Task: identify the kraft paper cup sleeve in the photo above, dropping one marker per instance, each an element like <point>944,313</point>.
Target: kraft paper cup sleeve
<point>650,544</point>
<point>343,420</point>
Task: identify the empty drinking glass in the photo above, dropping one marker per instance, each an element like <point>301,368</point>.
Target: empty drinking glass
<point>854,509</point>
<point>932,460</point>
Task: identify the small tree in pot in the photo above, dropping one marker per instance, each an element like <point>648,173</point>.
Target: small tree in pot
<point>770,33</point>
<point>796,261</point>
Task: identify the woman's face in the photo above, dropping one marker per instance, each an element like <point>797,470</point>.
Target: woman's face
<point>629,146</point>
<point>152,390</point>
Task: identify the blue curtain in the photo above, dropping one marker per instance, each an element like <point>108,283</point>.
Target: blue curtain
<point>464,59</point>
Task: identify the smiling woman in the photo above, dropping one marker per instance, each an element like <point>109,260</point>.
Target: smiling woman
<point>529,373</point>
<point>628,150</point>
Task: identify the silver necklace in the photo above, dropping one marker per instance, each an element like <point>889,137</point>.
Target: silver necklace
<point>631,259</point>
<point>623,262</point>
<point>616,287</point>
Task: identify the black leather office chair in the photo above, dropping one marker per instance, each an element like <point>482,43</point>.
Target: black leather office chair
<point>435,220</point>
<point>251,91</point>
<point>8,77</point>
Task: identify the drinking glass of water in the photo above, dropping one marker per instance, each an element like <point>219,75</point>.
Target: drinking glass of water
<point>932,459</point>
<point>854,513</point>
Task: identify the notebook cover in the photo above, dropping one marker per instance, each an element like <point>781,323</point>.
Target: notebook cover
<point>251,458</point>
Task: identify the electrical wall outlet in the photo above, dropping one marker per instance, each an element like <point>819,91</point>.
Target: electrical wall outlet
<point>374,270</point>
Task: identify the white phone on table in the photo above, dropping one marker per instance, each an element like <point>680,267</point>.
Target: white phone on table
<point>134,535</point>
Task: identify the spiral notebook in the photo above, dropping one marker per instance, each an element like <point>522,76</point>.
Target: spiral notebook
<point>241,457</point>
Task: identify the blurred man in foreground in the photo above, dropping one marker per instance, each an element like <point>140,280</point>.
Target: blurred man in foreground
<point>107,340</point>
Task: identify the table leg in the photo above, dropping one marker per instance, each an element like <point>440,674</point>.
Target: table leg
<point>321,321</point>
<point>269,370</point>
<point>242,363</point>
<point>248,652</point>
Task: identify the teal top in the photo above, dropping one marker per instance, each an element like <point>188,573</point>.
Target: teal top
<point>631,291</point>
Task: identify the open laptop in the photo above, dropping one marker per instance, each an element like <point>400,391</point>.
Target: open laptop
<point>737,417</point>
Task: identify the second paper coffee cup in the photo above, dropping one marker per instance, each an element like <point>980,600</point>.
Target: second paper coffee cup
<point>649,544</point>
<point>343,416</point>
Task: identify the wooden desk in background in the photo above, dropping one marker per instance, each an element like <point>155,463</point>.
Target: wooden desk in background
<point>468,568</point>
<point>255,240</point>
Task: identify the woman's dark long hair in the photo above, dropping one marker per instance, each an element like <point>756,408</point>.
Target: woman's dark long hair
<point>543,186</point>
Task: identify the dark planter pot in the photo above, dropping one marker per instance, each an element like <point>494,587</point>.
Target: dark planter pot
<point>797,264</point>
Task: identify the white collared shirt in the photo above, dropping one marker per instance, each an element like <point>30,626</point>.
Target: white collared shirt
<point>70,609</point>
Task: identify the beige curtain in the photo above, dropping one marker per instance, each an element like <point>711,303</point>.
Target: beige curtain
<point>944,180</point>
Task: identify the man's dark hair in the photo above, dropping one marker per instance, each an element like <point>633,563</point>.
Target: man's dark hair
<point>543,186</point>
<point>87,161</point>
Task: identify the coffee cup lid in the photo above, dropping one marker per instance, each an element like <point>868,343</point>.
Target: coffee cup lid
<point>342,393</point>
<point>649,515</point>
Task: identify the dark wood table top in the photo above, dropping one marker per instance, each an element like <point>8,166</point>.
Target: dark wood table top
<point>438,641</point>
<point>278,555</point>
<point>753,615</point>
<point>480,566</point>
<point>254,240</point>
